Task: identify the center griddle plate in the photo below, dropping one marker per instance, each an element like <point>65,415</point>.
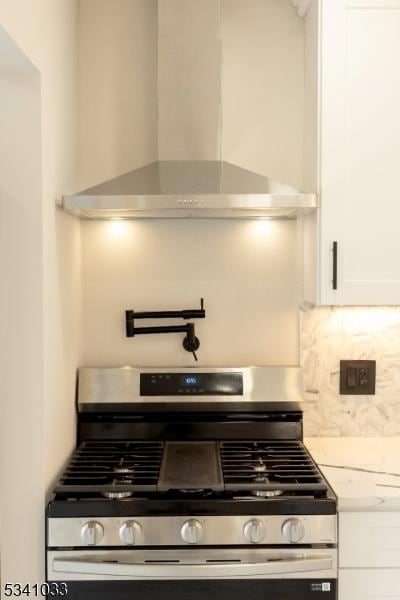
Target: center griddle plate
<point>191,466</point>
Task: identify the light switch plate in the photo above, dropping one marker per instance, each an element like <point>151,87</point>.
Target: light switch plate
<point>357,377</point>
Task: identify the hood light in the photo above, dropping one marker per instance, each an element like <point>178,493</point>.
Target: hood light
<point>118,228</point>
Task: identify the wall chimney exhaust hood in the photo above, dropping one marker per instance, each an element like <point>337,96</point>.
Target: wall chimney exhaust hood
<point>183,189</point>
<point>193,174</point>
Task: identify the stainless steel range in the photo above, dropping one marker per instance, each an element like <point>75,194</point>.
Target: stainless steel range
<point>192,483</point>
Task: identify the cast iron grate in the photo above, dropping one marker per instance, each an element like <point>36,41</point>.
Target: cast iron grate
<point>115,466</point>
<point>269,465</point>
<point>101,467</point>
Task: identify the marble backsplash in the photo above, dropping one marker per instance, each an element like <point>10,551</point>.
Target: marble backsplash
<point>329,334</point>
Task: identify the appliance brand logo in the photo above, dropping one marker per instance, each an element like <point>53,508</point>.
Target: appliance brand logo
<point>321,587</point>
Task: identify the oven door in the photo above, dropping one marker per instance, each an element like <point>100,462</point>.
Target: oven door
<point>198,574</point>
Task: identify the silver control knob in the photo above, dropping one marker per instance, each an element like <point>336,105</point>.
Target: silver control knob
<point>92,533</point>
<point>293,530</point>
<point>254,531</point>
<point>192,531</point>
<point>130,533</point>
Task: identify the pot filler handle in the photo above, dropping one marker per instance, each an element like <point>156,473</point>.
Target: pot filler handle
<point>214,570</point>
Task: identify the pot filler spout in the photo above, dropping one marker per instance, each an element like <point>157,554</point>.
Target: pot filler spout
<point>190,343</point>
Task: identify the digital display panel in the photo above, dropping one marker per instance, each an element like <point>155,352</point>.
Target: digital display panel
<point>191,384</point>
<point>191,380</point>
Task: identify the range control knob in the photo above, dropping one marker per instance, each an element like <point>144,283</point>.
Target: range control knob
<point>293,530</point>
<point>92,533</point>
<point>254,531</point>
<point>130,533</point>
<point>192,531</point>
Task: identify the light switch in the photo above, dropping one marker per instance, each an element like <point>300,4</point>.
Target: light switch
<point>357,377</point>
<point>351,377</point>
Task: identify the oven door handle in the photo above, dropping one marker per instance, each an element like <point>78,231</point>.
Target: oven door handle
<point>107,567</point>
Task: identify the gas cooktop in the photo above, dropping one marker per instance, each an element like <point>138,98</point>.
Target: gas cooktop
<point>202,477</point>
<point>121,469</point>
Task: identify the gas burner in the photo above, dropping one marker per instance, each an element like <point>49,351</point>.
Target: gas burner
<point>116,495</point>
<point>261,470</point>
<point>267,493</point>
<point>119,495</point>
<point>261,467</point>
<point>123,470</point>
<point>201,493</point>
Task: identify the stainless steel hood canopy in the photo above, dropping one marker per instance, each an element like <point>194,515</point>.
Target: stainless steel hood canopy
<point>183,189</point>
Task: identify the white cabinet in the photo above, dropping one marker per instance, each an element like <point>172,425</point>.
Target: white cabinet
<point>369,555</point>
<point>369,539</point>
<point>369,584</point>
<point>358,149</point>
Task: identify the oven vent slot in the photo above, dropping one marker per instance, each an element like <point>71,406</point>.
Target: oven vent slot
<point>110,562</point>
<point>222,560</point>
<point>162,562</point>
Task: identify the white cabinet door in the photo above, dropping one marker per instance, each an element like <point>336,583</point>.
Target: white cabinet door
<point>369,539</point>
<point>369,584</point>
<point>360,151</point>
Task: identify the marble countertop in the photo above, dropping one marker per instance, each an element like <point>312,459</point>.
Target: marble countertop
<point>349,475</point>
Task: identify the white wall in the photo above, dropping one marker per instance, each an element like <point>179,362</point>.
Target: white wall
<point>46,32</point>
<point>21,299</point>
<point>245,270</point>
